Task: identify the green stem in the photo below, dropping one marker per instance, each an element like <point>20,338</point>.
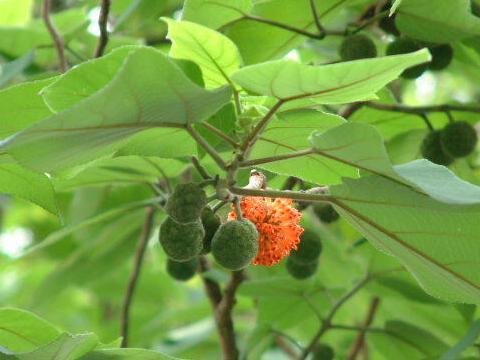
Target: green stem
<point>206,146</point>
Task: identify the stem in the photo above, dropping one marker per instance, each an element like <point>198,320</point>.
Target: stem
<point>421,109</point>
<point>56,37</point>
<point>451,119</point>
<point>356,328</point>
<point>220,134</point>
<point>350,109</point>
<point>206,146</point>
<point>371,20</point>
<point>238,208</point>
<point>219,206</point>
<point>285,346</point>
<point>327,322</point>
<point>201,170</point>
<point>427,122</point>
<point>132,281</point>
<point>316,18</point>
<point>360,340</point>
<point>269,159</point>
<point>103,25</point>
<point>295,195</point>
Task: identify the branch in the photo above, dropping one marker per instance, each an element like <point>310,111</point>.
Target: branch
<point>327,322</point>
<point>220,134</point>
<point>316,18</point>
<point>360,341</point>
<point>132,281</point>
<point>269,159</point>
<point>350,109</point>
<point>223,317</point>
<point>315,194</point>
<point>56,37</point>
<point>287,349</point>
<point>421,109</point>
<point>206,146</point>
<point>201,170</point>
<point>103,25</point>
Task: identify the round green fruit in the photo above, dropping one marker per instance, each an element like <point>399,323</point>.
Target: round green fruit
<point>356,47</point>
<point>405,46</point>
<point>211,222</point>
<point>186,203</point>
<point>301,271</point>
<point>432,149</point>
<point>235,244</point>
<point>323,352</point>
<point>182,271</point>
<point>326,213</point>
<point>309,248</point>
<point>181,242</point>
<point>442,56</point>
<point>459,139</point>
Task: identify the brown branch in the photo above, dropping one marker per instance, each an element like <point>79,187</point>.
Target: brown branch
<point>103,25</point>
<point>56,37</point>
<point>316,18</point>
<point>285,346</point>
<point>350,109</point>
<point>132,281</point>
<point>360,340</point>
<point>421,109</point>
<point>223,316</point>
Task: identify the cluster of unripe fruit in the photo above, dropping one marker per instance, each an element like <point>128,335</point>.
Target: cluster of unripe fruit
<point>360,46</point>
<point>192,229</point>
<point>456,140</point>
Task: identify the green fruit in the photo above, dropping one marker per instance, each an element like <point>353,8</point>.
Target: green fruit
<point>186,203</point>
<point>235,244</point>
<point>181,242</point>
<point>301,271</point>
<point>309,248</point>
<point>405,46</point>
<point>182,271</point>
<point>323,352</point>
<point>459,139</point>
<point>326,213</point>
<point>211,223</point>
<point>432,149</point>
<point>442,56</point>
<point>356,47</point>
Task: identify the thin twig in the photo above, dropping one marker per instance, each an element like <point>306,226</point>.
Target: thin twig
<point>201,170</point>
<point>132,281</point>
<point>206,146</point>
<point>316,18</point>
<point>270,159</point>
<point>220,134</point>
<point>56,37</point>
<point>327,322</point>
<point>421,109</point>
<point>103,25</point>
<point>294,195</point>
<point>238,208</point>
<point>287,349</point>
<point>360,340</point>
<point>427,122</point>
<point>350,109</point>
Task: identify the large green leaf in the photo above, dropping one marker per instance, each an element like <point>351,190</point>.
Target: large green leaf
<point>216,54</point>
<point>28,185</point>
<point>214,13</point>
<point>467,341</point>
<point>22,105</point>
<point>126,354</point>
<point>21,330</point>
<point>437,242</point>
<point>148,92</point>
<point>329,84</point>
<point>441,21</point>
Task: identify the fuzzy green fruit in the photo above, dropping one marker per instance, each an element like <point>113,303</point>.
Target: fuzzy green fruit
<point>186,203</point>
<point>459,139</point>
<point>356,47</point>
<point>301,271</point>
<point>405,46</point>
<point>235,244</point>
<point>181,242</point>
<point>442,56</point>
<point>211,222</point>
<point>182,271</point>
<point>323,352</point>
<point>326,213</point>
<point>309,248</point>
<point>433,150</point>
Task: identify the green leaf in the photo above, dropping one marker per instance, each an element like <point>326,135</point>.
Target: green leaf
<point>328,84</point>
<point>14,68</point>
<point>422,340</point>
<point>127,354</point>
<point>84,80</point>
<point>289,133</point>
<point>216,54</point>
<point>22,105</point>
<point>64,347</point>
<point>468,340</point>
<point>214,13</point>
<point>442,21</point>
<point>15,12</point>
<point>436,242</point>
<point>21,330</point>
<point>28,185</point>
<point>149,91</point>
